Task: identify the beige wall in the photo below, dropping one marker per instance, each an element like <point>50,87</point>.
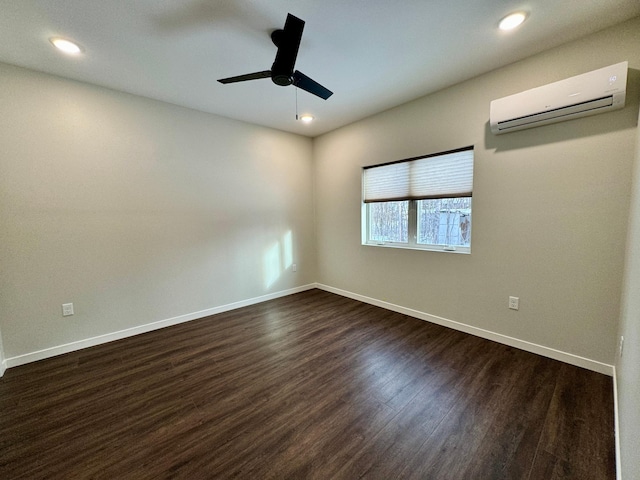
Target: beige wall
<point>138,211</point>
<point>550,206</point>
<point>628,366</point>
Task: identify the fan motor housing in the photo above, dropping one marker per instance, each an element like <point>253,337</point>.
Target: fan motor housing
<point>282,80</point>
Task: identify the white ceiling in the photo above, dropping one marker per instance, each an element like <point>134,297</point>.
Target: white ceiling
<point>373,54</point>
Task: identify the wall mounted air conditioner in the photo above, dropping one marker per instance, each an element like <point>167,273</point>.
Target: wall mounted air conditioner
<point>594,92</point>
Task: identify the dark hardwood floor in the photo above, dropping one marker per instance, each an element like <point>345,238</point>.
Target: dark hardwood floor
<point>312,385</point>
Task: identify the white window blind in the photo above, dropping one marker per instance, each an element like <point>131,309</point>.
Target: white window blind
<point>442,175</point>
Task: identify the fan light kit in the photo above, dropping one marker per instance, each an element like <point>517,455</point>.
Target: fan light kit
<point>282,71</point>
<point>512,21</point>
<point>306,118</point>
<point>66,46</point>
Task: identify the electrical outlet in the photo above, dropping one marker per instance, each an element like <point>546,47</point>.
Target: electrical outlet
<point>294,267</point>
<point>621,345</point>
<point>514,303</point>
<point>67,309</point>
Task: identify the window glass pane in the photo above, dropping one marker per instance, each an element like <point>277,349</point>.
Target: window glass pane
<point>444,221</point>
<point>389,221</point>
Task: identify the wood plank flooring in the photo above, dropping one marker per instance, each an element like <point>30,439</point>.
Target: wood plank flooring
<point>310,386</point>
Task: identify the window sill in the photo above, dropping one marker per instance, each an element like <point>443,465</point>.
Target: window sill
<point>433,248</point>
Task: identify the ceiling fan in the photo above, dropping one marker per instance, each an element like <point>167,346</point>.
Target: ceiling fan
<point>282,71</point>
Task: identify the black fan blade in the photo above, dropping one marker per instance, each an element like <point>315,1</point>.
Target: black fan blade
<point>248,76</point>
<point>300,80</point>
<point>289,44</point>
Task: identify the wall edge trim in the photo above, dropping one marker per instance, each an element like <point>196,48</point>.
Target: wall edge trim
<point>148,327</point>
<point>549,352</point>
<point>616,424</point>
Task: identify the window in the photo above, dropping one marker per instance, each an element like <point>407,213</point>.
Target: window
<point>422,202</point>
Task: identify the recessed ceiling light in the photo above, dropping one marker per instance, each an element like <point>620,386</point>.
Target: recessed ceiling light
<point>512,20</point>
<point>66,46</point>
<point>306,118</point>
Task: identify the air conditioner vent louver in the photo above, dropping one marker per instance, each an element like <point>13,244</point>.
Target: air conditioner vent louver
<point>595,92</point>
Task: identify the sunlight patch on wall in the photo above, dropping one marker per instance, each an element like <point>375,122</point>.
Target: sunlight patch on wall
<point>287,249</point>
<point>277,258</point>
<point>272,265</point>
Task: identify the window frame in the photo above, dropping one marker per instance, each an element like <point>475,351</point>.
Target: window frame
<point>412,220</point>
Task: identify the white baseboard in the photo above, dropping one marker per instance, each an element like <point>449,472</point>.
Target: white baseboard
<point>3,363</point>
<point>616,425</point>
<point>129,332</point>
<point>479,332</point>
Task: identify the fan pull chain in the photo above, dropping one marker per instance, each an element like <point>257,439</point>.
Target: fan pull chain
<point>296,101</point>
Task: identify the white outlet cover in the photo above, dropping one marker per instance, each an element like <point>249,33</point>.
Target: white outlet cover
<point>514,303</point>
<point>67,309</point>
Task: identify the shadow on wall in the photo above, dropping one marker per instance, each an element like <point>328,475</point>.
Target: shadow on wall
<point>571,129</point>
<point>277,258</point>
<point>213,14</point>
